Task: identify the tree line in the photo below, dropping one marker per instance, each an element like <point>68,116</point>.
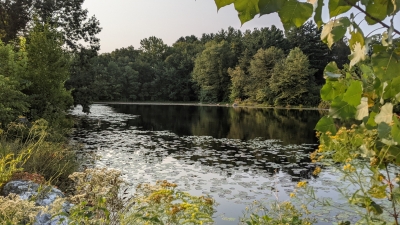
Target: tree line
<point>50,61</point>
<point>41,44</point>
<point>266,66</point>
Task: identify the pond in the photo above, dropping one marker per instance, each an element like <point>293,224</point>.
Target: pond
<point>236,155</point>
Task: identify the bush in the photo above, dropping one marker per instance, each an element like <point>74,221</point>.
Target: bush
<point>163,204</point>
<point>26,147</point>
<point>14,210</point>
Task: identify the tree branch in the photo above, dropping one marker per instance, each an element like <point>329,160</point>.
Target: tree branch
<point>373,18</point>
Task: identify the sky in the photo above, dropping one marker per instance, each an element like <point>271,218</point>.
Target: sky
<point>126,22</point>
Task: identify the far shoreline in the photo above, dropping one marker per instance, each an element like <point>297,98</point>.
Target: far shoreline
<point>209,104</point>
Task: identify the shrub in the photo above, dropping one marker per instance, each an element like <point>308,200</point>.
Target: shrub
<point>279,213</point>
<point>14,210</point>
<point>163,204</point>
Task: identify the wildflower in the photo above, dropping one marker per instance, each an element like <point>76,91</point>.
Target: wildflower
<point>301,184</point>
<point>320,148</point>
<point>348,167</point>
<point>313,155</point>
<point>374,161</point>
<point>317,171</point>
<point>381,177</point>
<point>292,195</point>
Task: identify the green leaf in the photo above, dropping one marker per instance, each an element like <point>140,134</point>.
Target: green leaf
<point>392,88</point>
<point>342,109</point>
<point>318,13</point>
<point>326,124</point>
<point>385,115</point>
<point>362,109</point>
<point>353,93</point>
<point>334,30</point>
<point>356,36</point>
<point>337,7</point>
<point>223,3</point>
<point>375,208</point>
<point>393,154</point>
<point>396,194</point>
<point>357,46</point>
<point>396,130</point>
<point>383,130</point>
<point>367,71</point>
<point>294,13</point>
<point>270,6</point>
<point>331,90</point>
<point>378,191</point>
<point>385,62</point>
<point>358,54</point>
<point>377,9</point>
<point>370,124</point>
<point>332,71</point>
<point>247,9</point>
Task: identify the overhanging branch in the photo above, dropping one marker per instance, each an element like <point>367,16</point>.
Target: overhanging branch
<point>371,17</point>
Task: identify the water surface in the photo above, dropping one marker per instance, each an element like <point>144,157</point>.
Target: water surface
<point>236,155</point>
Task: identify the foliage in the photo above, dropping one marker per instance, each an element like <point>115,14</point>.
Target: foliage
<point>37,153</point>
<point>48,69</point>
<point>9,165</point>
<point>100,188</point>
<point>13,65</point>
<point>68,16</point>
<point>307,38</point>
<point>261,72</point>
<point>14,210</point>
<point>279,213</point>
<point>366,94</point>
<point>292,81</point>
<point>163,204</point>
<point>96,196</point>
<point>211,72</point>
<point>158,72</point>
<point>14,154</point>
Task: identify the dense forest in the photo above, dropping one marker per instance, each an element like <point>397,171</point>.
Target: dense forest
<point>265,66</point>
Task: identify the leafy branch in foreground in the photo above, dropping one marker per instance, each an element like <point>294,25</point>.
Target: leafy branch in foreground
<point>364,95</point>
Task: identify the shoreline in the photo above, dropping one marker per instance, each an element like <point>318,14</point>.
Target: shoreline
<point>208,104</point>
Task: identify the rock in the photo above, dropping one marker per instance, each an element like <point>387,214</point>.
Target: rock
<point>28,189</point>
<point>43,195</point>
<point>45,219</point>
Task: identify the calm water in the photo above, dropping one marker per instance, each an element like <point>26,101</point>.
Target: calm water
<point>236,155</point>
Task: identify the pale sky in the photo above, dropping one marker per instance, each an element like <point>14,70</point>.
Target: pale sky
<point>126,22</point>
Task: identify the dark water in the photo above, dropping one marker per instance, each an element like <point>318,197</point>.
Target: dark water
<point>236,155</point>
<point>288,126</point>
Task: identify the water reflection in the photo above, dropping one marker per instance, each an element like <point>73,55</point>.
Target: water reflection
<point>234,154</point>
<point>288,126</point>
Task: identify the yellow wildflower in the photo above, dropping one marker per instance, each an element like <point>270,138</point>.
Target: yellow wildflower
<point>348,167</point>
<point>292,195</point>
<point>317,171</point>
<point>381,177</point>
<point>301,184</point>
